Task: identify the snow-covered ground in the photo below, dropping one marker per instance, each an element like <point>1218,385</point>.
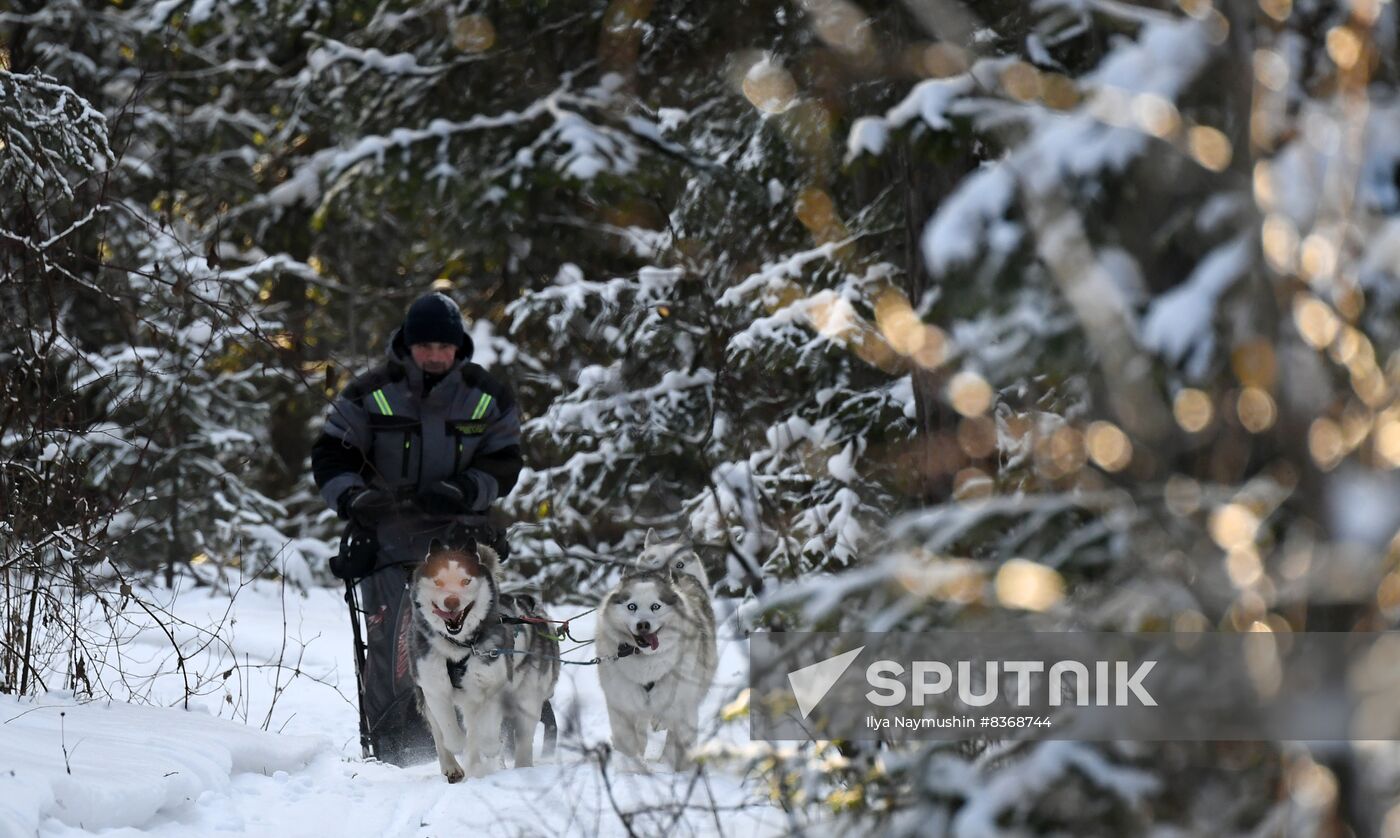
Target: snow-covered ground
<point>270,744</point>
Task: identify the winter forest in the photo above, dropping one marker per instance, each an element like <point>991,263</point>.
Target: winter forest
<point>921,315</point>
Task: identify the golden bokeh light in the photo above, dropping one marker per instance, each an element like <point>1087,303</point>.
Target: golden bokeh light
<point>1193,410</point>
<point>1344,46</point>
<point>769,87</point>
<point>1156,115</point>
<point>1279,10</point>
<point>1318,257</point>
<point>947,580</point>
<point>934,350</point>
<point>831,315</point>
<point>1210,147</point>
<point>473,33</point>
<point>1027,585</point>
<point>899,324</point>
<point>1256,409</point>
<point>1371,387</point>
<point>1233,526</point>
<point>1021,81</point>
<point>1109,447</point>
<point>969,393</point>
<point>1264,194</point>
<point>815,209</point>
<point>1280,240</point>
<point>1348,344</point>
<point>977,437</point>
<point>1388,439</point>
<point>1244,566</point>
<point>1357,422</point>
<point>904,331</point>
<point>1315,321</point>
<point>1325,443</point>
<point>842,26</point>
<point>1058,91</point>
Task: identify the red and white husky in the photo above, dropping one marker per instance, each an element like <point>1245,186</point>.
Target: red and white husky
<point>475,667</point>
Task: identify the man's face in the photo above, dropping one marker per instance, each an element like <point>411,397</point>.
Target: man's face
<point>433,357</point>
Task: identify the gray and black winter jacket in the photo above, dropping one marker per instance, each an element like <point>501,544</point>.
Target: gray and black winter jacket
<point>382,432</point>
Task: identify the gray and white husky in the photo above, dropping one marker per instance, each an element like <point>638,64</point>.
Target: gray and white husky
<point>460,653</point>
<point>673,557</point>
<point>656,638</point>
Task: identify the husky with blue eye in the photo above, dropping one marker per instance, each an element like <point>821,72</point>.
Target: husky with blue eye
<point>674,557</point>
<point>656,638</point>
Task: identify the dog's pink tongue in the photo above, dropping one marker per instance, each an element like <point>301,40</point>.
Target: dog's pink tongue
<point>652,640</point>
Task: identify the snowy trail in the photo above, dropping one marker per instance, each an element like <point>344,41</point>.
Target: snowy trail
<point>164,771</point>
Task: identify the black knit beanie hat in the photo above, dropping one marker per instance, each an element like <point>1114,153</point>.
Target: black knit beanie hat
<point>433,318</point>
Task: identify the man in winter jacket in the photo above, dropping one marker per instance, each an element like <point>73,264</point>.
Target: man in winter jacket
<point>415,449</point>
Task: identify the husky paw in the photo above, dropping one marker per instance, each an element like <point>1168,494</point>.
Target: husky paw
<point>453,774</point>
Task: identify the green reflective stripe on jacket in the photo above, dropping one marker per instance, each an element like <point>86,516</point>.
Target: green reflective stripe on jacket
<point>383,403</point>
<point>481,407</point>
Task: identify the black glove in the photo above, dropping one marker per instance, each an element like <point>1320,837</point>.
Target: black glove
<point>359,551</point>
<point>447,498</point>
<point>366,507</point>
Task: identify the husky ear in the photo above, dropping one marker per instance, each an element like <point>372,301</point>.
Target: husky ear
<point>651,539</point>
<point>435,546</point>
<point>489,558</point>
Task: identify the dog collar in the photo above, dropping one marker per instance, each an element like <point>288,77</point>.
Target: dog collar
<point>470,642</point>
<point>459,643</point>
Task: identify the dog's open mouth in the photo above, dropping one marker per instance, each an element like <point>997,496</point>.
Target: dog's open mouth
<point>646,641</point>
<point>453,620</point>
